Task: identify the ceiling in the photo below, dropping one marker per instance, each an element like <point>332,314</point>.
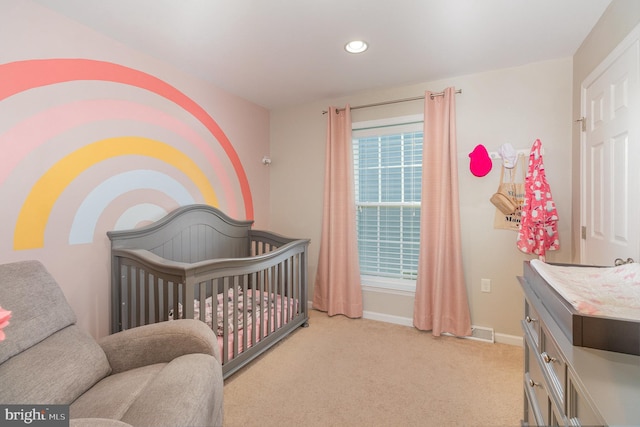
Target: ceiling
<point>280,53</point>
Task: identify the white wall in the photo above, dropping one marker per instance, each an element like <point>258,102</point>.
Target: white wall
<point>515,105</point>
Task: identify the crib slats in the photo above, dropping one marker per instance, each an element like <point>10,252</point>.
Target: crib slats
<point>145,291</point>
<point>280,292</point>
<point>225,320</point>
<point>273,297</point>
<point>156,287</point>
<point>258,285</point>
<point>288,284</point>
<point>268,292</point>
<point>130,290</point>
<point>202,302</point>
<point>245,311</point>
<point>234,318</point>
<point>149,299</point>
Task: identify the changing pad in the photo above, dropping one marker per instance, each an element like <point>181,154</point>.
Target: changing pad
<point>596,291</point>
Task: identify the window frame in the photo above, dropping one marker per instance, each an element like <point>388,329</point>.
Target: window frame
<point>372,128</point>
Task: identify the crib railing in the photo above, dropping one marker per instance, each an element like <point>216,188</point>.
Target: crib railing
<point>149,289</point>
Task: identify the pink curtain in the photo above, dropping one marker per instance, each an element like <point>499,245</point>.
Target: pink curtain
<point>337,288</point>
<point>441,295</point>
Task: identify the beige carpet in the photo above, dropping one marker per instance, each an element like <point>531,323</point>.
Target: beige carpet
<point>344,372</point>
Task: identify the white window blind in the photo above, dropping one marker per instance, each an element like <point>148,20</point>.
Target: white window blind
<point>388,170</point>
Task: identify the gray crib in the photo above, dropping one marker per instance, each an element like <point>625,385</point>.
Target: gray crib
<point>250,286</point>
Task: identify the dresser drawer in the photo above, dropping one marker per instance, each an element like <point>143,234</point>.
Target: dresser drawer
<point>557,419</point>
<point>532,416</point>
<point>532,322</point>
<point>535,385</point>
<point>579,411</point>
<point>554,364</point>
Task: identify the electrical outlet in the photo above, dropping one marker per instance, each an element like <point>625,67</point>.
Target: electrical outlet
<point>485,285</point>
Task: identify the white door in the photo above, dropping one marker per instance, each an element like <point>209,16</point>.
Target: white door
<point>610,182</point>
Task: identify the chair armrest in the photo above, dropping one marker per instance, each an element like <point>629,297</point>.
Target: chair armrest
<point>158,343</point>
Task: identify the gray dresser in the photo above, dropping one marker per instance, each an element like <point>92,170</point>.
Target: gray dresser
<point>567,385</point>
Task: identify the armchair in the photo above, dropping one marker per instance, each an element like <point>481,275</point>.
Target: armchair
<point>164,374</point>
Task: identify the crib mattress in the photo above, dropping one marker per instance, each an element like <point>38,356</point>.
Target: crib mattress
<point>596,307</point>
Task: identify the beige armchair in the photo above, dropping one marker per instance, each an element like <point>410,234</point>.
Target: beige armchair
<point>165,374</point>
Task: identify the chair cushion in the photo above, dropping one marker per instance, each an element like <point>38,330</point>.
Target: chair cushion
<point>54,371</point>
<point>184,392</point>
<point>38,306</point>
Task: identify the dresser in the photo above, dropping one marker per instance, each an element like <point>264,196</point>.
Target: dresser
<point>567,385</point>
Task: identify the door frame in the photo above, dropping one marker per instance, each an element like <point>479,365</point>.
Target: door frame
<point>631,38</point>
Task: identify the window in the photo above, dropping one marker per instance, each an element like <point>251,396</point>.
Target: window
<point>388,171</point>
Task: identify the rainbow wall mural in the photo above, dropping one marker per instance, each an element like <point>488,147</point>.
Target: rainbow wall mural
<point>100,137</point>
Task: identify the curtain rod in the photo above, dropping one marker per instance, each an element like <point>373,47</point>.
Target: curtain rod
<point>394,101</point>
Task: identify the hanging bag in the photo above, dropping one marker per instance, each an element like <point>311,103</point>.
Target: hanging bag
<point>514,192</point>
<point>503,198</point>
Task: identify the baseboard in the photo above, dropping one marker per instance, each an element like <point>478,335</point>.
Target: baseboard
<point>398,320</point>
<point>508,339</point>
<point>406,321</point>
<point>388,318</point>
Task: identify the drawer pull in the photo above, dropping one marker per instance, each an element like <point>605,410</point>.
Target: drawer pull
<point>532,383</point>
<point>529,319</point>
<point>547,358</point>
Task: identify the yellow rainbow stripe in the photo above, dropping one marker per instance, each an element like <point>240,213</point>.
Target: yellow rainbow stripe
<point>34,214</point>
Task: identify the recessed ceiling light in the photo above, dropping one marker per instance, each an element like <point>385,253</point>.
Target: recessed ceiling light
<point>356,46</point>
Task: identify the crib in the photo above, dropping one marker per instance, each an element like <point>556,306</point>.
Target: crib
<point>249,286</point>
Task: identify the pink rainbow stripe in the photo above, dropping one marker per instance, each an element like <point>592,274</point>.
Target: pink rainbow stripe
<point>24,75</point>
<point>37,129</point>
